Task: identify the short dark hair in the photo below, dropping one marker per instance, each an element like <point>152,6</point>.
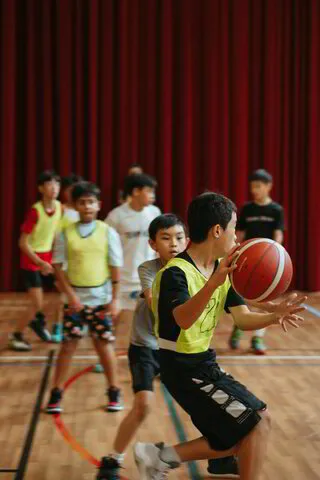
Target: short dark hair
<point>48,176</point>
<point>163,222</point>
<point>140,180</point>
<point>135,165</point>
<point>85,189</point>
<point>70,180</point>
<point>207,210</point>
<point>261,175</point>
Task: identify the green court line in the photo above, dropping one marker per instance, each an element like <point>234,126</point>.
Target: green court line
<point>192,466</point>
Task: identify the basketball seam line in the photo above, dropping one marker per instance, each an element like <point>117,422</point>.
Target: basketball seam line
<point>257,265</point>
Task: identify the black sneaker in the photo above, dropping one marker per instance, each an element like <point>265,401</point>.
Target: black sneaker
<point>54,404</point>
<point>38,325</point>
<point>109,469</point>
<point>18,343</point>
<point>114,403</point>
<point>226,467</point>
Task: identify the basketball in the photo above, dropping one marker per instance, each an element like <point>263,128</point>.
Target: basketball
<point>264,270</point>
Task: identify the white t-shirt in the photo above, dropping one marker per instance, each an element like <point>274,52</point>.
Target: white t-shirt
<point>132,226</point>
<point>71,214</point>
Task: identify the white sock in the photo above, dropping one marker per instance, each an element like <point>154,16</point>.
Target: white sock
<point>260,333</point>
<point>118,456</point>
<point>169,455</point>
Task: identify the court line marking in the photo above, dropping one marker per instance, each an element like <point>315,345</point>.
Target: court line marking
<point>266,364</point>
<point>260,358</point>
<point>178,426</point>
<point>34,420</point>
<point>312,310</point>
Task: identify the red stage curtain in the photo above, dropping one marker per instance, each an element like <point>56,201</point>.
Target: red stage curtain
<point>200,92</point>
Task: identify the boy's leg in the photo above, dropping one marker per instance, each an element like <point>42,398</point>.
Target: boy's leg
<point>257,342</point>
<point>64,359</point>
<point>33,283</point>
<point>107,359</point>
<point>73,327</point>
<point>144,367</point>
<point>222,409</point>
<point>130,424</point>
<point>100,325</point>
<point>251,451</point>
<point>35,294</point>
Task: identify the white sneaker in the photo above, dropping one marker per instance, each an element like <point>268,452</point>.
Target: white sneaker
<point>149,463</point>
<point>19,343</point>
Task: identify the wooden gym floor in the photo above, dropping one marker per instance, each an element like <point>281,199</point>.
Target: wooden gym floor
<point>287,378</point>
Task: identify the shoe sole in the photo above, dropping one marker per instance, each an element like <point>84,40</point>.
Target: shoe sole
<point>224,475</point>
<point>114,409</point>
<point>138,458</point>
<point>56,410</point>
<point>20,349</point>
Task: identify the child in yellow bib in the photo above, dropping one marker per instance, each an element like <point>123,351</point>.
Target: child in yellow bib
<point>189,294</point>
<point>92,252</point>
<point>36,241</point>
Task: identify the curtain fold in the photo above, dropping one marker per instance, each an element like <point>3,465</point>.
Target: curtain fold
<point>200,92</point>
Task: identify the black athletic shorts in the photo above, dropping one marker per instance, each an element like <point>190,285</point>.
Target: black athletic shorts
<point>35,279</point>
<point>144,366</point>
<point>221,408</point>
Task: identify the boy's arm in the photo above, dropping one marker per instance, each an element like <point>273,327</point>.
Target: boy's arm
<point>26,230</point>
<point>115,261</point>
<point>59,258</point>
<point>278,236</point>
<point>241,226</point>
<point>147,273</point>
<point>284,313</point>
<point>24,246</point>
<point>279,226</point>
<point>64,284</point>
<point>188,312</point>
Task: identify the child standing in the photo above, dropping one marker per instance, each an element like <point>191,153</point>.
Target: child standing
<point>69,215</point>
<point>131,220</point>
<point>167,237</point>
<point>260,218</point>
<point>92,254</point>
<point>36,241</point>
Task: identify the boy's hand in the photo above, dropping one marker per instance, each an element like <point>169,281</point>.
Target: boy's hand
<point>286,311</point>
<point>46,268</point>
<point>225,266</point>
<point>75,304</point>
<point>114,308</point>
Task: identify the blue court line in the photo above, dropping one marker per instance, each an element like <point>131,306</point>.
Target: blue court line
<point>192,466</point>
<point>312,310</point>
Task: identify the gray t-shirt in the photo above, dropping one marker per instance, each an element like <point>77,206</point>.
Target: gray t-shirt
<point>142,333</point>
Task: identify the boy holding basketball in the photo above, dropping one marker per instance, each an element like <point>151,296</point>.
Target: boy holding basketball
<point>189,294</point>
<point>260,218</point>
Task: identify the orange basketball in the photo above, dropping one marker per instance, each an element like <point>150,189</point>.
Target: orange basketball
<point>264,270</point>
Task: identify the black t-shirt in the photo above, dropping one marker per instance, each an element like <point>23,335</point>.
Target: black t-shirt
<point>174,292</point>
<point>260,220</point>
